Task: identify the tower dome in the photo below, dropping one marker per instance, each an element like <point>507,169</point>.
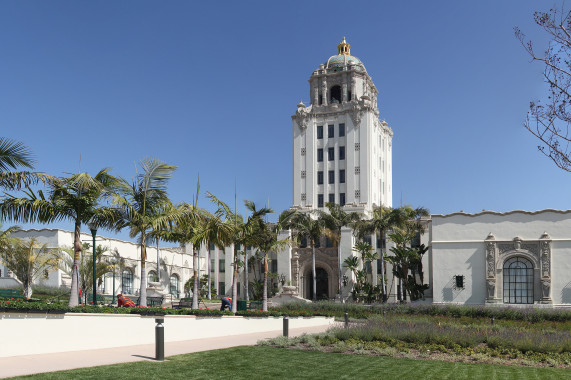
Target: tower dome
<point>343,57</point>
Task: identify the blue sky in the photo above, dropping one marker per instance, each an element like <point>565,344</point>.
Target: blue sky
<point>211,87</point>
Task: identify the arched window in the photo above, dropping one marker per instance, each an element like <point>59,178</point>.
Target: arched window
<point>126,282</point>
<point>335,94</point>
<point>152,277</point>
<point>518,280</point>
<point>174,286</point>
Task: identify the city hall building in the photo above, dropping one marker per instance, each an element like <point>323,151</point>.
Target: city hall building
<point>342,153</point>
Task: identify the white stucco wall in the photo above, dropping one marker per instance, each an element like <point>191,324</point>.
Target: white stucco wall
<point>29,334</point>
<point>458,248</point>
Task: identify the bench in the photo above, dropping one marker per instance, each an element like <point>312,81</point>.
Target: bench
<point>11,293</point>
<point>101,299</point>
<point>152,301</point>
<point>255,305</point>
<point>182,303</point>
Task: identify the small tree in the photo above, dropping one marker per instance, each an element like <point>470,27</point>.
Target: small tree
<point>85,266</point>
<point>406,257</point>
<point>550,120</point>
<point>28,260</point>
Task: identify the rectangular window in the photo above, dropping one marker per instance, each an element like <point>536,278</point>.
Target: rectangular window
<point>320,177</point>
<point>330,131</point>
<point>320,131</point>
<point>221,288</point>
<point>212,267</point>
<point>331,198</point>
<point>342,199</point>
<point>274,266</point>
<point>331,154</point>
<point>332,176</point>
<point>341,130</point>
<point>328,242</point>
<point>341,152</point>
<point>319,155</point>
<point>319,200</point>
<point>221,265</point>
<point>341,176</point>
<point>238,288</point>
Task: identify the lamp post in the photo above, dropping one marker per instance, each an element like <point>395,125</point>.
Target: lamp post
<point>93,233</point>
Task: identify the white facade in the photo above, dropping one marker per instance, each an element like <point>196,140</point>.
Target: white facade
<point>517,257</point>
<point>175,264</point>
<point>342,152</point>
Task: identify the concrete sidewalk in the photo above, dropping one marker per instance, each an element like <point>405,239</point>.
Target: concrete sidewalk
<point>30,364</point>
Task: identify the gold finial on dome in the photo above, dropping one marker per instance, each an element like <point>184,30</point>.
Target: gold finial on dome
<point>344,47</point>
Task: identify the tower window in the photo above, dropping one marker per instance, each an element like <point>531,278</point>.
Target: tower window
<point>331,154</point>
<point>341,152</point>
<point>341,176</point>
<point>330,131</point>
<point>332,198</point>
<point>341,130</point>
<point>320,177</point>
<point>319,155</point>
<point>320,131</point>
<point>336,94</point>
<point>348,95</point>
<point>319,200</point>
<point>331,176</point>
<point>320,99</point>
<point>342,199</point>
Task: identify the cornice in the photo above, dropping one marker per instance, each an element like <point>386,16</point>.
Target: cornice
<point>486,212</point>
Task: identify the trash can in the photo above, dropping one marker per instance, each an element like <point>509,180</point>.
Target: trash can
<point>242,305</point>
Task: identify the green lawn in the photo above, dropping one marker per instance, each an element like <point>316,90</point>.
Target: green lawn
<point>277,363</point>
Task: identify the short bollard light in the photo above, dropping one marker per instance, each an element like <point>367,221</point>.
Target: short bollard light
<point>286,326</point>
<point>160,339</point>
<point>346,320</point>
<point>493,319</point>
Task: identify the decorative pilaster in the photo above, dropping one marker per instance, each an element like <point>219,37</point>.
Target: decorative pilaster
<point>490,244</point>
<point>545,263</point>
<point>295,270</point>
<point>324,91</point>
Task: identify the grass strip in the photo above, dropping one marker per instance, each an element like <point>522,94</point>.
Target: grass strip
<point>266,362</point>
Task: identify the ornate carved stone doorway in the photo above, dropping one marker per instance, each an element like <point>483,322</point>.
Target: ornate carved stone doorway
<point>322,284</point>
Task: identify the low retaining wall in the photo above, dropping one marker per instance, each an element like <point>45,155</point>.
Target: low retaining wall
<point>27,334</point>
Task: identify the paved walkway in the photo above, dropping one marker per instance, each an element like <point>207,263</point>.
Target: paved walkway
<point>30,364</point>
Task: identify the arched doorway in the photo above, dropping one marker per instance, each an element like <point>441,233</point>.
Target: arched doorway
<point>322,284</point>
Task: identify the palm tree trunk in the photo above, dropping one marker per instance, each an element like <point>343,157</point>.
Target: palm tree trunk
<point>340,268</point>
<point>313,271</point>
<point>195,289</point>
<point>246,276</point>
<point>73,297</point>
<point>209,269</point>
<point>265,287</point>
<point>27,289</point>
<point>143,290</point>
<point>234,279</point>
<point>383,284</point>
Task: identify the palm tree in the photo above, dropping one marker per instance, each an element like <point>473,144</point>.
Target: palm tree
<point>143,207</point>
<point>203,228</point>
<point>28,260</point>
<point>215,234</point>
<point>266,236</point>
<point>311,229</point>
<point>334,221</point>
<point>14,155</point>
<point>383,219</point>
<point>86,266</point>
<point>239,233</point>
<point>74,198</point>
